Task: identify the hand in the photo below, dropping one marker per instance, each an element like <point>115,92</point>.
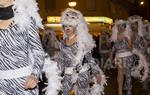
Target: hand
<point>98,78</point>
<point>31,82</point>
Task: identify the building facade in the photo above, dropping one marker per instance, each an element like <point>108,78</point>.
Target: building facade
<point>87,7</point>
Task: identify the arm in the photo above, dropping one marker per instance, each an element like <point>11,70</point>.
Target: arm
<point>60,59</point>
<point>112,52</point>
<point>95,69</point>
<point>88,59</point>
<point>37,57</point>
<point>36,50</point>
<point>129,43</point>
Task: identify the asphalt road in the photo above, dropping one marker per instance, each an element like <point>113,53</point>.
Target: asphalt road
<point>112,87</point>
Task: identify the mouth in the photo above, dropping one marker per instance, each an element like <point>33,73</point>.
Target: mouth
<point>67,30</point>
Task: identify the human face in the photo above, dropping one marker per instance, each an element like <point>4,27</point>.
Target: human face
<point>121,27</point>
<point>134,27</point>
<point>69,30</point>
<point>5,3</point>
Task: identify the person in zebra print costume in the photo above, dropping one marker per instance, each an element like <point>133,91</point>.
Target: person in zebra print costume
<point>79,70</point>
<point>139,45</point>
<point>21,52</point>
<point>147,39</point>
<point>147,53</point>
<point>124,58</point>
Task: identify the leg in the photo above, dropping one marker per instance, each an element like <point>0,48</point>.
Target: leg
<point>66,85</point>
<point>82,85</point>
<point>145,88</point>
<point>128,85</point>
<point>128,79</point>
<point>120,79</point>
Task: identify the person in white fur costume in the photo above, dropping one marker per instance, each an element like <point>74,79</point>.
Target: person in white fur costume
<point>147,39</point>
<point>124,58</point>
<point>21,52</point>
<point>145,84</point>
<point>139,47</point>
<point>75,60</point>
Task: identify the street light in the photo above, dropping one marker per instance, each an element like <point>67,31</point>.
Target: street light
<point>142,3</point>
<point>72,4</point>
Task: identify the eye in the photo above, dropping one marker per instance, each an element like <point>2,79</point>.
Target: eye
<point>64,26</point>
<point>67,14</point>
<point>73,17</point>
<point>70,26</point>
<point>124,25</point>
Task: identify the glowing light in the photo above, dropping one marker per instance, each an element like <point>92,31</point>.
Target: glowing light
<point>99,19</point>
<point>72,4</point>
<point>53,25</point>
<point>142,3</point>
<point>146,20</point>
<point>56,19</point>
<point>53,19</point>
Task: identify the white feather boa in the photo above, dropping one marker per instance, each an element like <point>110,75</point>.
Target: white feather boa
<point>24,10</point>
<point>52,74</point>
<point>98,89</point>
<point>142,65</point>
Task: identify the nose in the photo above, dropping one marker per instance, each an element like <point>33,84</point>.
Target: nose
<point>67,28</point>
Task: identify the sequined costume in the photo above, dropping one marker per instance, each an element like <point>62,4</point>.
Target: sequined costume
<point>139,47</point>
<point>104,50</point>
<point>77,77</point>
<point>75,61</point>
<point>127,59</point>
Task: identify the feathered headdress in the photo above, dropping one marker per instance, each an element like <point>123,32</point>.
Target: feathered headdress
<point>138,19</point>
<point>115,31</point>
<point>75,18</point>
